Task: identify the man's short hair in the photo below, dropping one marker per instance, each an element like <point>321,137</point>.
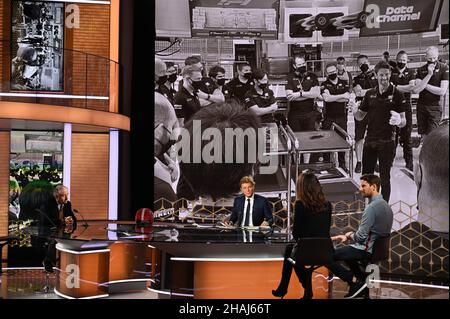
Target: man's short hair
<point>189,70</point>
<point>241,65</point>
<point>59,188</point>
<point>382,65</point>
<point>340,59</point>
<point>160,68</point>
<point>247,180</point>
<point>216,69</point>
<point>372,179</point>
<point>386,53</point>
<point>401,52</point>
<point>258,74</point>
<point>219,179</point>
<point>329,65</point>
<point>194,59</point>
<point>432,48</point>
<point>298,56</point>
<point>361,56</point>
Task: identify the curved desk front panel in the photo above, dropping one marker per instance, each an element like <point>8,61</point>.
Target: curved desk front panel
<point>82,273</point>
<point>180,260</point>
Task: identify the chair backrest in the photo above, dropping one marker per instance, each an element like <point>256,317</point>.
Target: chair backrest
<point>314,251</point>
<point>380,249</point>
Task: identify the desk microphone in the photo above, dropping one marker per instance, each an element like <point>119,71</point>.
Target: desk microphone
<point>85,224</point>
<point>48,218</point>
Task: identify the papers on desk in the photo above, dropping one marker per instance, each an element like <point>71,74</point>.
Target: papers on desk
<point>222,225</point>
<point>226,227</point>
<point>195,225</point>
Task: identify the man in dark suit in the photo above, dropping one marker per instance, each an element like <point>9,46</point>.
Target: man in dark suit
<point>250,209</point>
<point>60,214</point>
<point>59,209</point>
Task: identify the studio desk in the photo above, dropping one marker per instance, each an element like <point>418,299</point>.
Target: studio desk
<point>175,260</point>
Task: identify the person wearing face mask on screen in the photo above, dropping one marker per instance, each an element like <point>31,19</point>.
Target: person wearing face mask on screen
<point>431,84</point>
<point>361,84</point>
<point>403,79</point>
<point>301,90</point>
<point>238,87</point>
<point>217,74</point>
<point>260,100</point>
<point>335,93</point>
<point>186,100</point>
<point>208,91</point>
<point>342,73</point>
<point>165,82</point>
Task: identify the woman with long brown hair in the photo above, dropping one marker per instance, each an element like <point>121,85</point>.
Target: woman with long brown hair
<point>312,218</point>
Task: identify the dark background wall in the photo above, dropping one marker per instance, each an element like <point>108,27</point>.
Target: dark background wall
<point>137,31</point>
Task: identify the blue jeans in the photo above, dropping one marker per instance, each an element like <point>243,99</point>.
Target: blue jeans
<point>351,256</point>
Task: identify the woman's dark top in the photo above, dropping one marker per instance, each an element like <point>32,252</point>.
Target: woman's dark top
<point>308,223</point>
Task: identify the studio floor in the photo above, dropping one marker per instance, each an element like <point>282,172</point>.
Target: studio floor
<point>30,284</point>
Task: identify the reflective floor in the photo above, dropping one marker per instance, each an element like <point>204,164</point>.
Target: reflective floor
<point>31,283</point>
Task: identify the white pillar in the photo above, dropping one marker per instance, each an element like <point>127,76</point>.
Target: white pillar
<point>113,174</point>
<point>67,155</point>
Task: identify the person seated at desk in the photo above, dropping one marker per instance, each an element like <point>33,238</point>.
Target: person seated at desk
<point>376,222</point>
<point>312,218</point>
<point>250,209</point>
<point>59,212</point>
<point>60,208</point>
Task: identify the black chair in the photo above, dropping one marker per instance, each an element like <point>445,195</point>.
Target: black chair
<point>380,252</point>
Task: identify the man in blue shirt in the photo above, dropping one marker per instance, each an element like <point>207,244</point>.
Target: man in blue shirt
<point>376,222</point>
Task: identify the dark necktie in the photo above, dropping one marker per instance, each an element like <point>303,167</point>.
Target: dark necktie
<point>61,213</point>
<point>247,213</point>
